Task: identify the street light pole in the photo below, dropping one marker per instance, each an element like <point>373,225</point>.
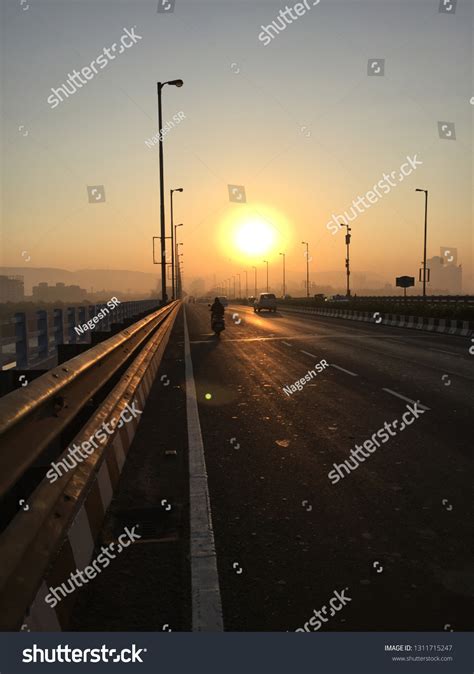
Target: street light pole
<point>240,289</point>
<point>255,281</point>
<point>267,273</point>
<point>348,243</point>
<point>246,285</point>
<point>176,255</point>
<point>307,268</point>
<point>179,282</point>
<point>425,237</point>
<point>284,284</point>
<point>159,87</point>
<point>179,189</point>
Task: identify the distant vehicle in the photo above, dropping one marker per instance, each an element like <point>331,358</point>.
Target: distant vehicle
<point>339,298</point>
<point>224,301</point>
<point>265,301</point>
<point>251,300</point>
<point>320,297</point>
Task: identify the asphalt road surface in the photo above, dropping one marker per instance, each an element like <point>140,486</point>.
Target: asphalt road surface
<point>383,531</point>
<point>392,537</point>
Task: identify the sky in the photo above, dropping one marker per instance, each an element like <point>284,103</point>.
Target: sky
<point>298,122</point>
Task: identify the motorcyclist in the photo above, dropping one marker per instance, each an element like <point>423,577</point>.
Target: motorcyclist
<point>217,309</point>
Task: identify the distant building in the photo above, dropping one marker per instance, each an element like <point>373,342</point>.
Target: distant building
<point>58,293</point>
<point>445,276</point>
<point>12,289</point>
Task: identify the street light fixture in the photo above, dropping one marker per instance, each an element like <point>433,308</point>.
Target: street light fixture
<point>159,87</point>
<point>178,189</point>
<point>424,244</point>
<point>307,267</point>
<point>267,273</point>
<point>284,284</point>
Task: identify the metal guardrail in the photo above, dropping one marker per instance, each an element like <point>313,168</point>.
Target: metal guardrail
<point>29,338</point>
<point>32,418</point>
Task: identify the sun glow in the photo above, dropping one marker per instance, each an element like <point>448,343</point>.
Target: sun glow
<point>250,232</point>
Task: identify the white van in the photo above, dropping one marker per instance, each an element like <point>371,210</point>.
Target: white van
<point>265,301</point>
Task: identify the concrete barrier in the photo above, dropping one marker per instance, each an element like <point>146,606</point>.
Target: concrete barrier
<point>441,325</point>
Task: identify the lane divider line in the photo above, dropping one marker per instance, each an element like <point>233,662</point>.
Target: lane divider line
<point>287,343</point>
<point>408,400</point>
<point>206,596</point>
<point>353,374</point>
<point>308,354</point>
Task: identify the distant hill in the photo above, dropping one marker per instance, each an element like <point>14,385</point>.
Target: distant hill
<point>98,279</point>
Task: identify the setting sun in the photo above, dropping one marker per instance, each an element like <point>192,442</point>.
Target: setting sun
<point>253,231</point>
<point>255,237</point>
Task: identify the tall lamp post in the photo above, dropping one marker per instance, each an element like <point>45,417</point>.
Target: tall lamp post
<point>246,285</point>
<point>255,268</point>
<point>175,282</point>
<point>178,189</point>
<point>267,273</point>
<point>348,243</point>
<point>424,244</point>
<point>307,267</point>
<point>240,289</point>
<point>159,88</point>
<point>284,283</point>
<point>178,276</point>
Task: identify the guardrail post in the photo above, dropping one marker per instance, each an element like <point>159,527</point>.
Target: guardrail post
<point>58,326</point>
<point>71,322</point>
<point>81,319</point>
<point>42,327</point>
<point>21,340</point>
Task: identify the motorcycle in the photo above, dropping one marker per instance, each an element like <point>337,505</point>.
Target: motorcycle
<point>217,324</point>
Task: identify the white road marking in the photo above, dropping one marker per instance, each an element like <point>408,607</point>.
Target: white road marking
<point>211,340</point>
<point>308,354</point>
<point>206,596</point>
<point>353,374</point>
<point>287,343</point>
<point>408,400</point>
